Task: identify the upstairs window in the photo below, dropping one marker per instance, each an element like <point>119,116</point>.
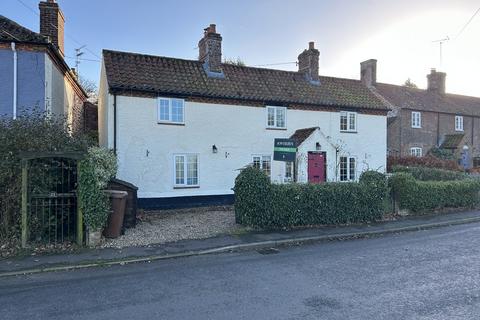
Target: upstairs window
<point>416,119</point>
<point>171,110</point>
<point>263,163</point>
<point>416,152</point>
<point>348,168</point>
<point>348,121</point>
<point>276,117</point>
<point>458,123</point>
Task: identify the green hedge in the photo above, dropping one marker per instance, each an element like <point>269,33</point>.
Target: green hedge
<point>425,196</point>
<point>262,204</point>
<point>431,174</point>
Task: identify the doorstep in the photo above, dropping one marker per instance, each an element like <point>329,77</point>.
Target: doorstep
<point>224,243</point>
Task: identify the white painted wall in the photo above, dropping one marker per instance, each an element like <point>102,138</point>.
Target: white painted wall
<point>237,131</point>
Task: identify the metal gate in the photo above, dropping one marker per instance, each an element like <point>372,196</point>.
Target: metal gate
<point>50,213</point>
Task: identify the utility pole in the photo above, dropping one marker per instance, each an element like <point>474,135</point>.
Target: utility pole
<point>440,43</point>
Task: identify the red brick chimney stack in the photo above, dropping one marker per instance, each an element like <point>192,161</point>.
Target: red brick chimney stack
<point>308,62</point>
<point>52,23</point>
<point>210,49</point>
<point>436,81</point>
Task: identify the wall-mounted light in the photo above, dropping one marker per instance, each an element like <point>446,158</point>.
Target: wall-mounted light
<point>214,149</point>
<point>318,147</point>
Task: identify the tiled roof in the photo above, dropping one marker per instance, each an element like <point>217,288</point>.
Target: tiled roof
<point>12,31</point>
<point>162,75</point>
<point>424,100</point>
<point>452,141</point>
<point>302,134</point>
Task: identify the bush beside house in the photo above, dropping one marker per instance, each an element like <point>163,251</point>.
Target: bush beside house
<point>428,161</point>
<point>95,171</point>
<point>260,203</point>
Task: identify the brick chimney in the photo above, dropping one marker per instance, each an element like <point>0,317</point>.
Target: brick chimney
<point>308,62</point>
<point>52,23</point>
<point>210,49</point>
<point>368,72</point>
<point>436,81</point>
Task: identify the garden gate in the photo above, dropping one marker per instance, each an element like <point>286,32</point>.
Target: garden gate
<point>50,213</point>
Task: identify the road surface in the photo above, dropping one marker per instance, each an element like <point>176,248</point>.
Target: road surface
<point>432,274</point>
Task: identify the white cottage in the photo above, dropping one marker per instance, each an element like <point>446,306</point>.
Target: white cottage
<point>182,129</point>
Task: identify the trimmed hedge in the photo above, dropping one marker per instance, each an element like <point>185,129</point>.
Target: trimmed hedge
<point>424,196</point>
<point>428,161</point>
<point>431,174</point>
<point>262,204</point>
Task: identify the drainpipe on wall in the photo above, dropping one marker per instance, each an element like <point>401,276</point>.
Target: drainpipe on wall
<point>14,80</point>
<point>115,123</point>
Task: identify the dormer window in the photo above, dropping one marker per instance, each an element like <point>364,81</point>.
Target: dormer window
<point>171,111</point>
<point>276,117</point>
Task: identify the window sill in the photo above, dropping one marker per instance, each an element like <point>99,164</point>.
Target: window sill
<point>273,128</point>
<point>186,187</point>
<point>171,123</point>
<point>416,127</point>
<point>348,131</point>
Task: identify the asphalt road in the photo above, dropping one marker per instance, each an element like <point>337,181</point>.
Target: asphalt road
<point>432,274</point>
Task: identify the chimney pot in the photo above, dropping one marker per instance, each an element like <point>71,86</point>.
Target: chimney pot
<point>368,72</point>
<point>311,45</point>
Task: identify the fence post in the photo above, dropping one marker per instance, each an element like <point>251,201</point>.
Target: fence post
<point>24,202</point>
<point>79,213</point>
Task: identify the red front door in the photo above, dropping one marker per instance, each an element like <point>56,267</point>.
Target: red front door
<point>316,167</point>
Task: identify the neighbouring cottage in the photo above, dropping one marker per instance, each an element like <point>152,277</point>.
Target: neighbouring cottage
<point>182,129</point>
<point>33,72</point>
<point>423,119</point>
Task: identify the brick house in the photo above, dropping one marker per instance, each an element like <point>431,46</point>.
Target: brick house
<point>33,71</point>
<point>182,129</point>
<point>423,119</point>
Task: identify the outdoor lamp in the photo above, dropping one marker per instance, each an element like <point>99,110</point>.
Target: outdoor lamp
<point>318,147</point>
<point>214,149</point>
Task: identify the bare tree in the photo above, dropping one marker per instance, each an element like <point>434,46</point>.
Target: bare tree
<point>409,84</point>
<point>90,88</point>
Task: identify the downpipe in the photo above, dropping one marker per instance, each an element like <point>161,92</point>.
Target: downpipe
<point>15,64</point>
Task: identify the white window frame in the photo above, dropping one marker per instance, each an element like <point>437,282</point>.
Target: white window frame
<point>185,171</point>
<point>416,119</point>
<point>349,116</point>
<point>275,125</point>
<point>416,152</point>
<point>458,123</point>
<point>261,156</point>
<point>288,172</point>
<point>349,177</point>
<point>170,107</point>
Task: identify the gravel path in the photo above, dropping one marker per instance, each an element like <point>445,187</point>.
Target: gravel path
<point>173,225</point>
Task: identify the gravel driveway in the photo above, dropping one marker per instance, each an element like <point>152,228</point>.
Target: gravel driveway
<point>173,225</point>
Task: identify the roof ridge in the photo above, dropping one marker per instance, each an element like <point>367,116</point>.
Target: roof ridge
<point>224,64</point>
<point>426,90</point>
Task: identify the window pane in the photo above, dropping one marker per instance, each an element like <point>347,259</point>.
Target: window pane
<point>343,169</point>
<point>179,170</point>
<point>192,170</point>
<point>352,121</point>
<point>164,113</point>
<point>288,169</point>
<point>266,165</point>
<point>177,110</point>
<point>271,117</point>
<point>352,169</point>
<point>256,162</point>
<point>343,121</point>
<point>280,117</point>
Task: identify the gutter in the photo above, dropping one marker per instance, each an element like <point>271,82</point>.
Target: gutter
<point>15,65</point>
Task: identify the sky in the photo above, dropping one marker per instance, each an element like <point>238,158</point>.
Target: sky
<point>401,35</point>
